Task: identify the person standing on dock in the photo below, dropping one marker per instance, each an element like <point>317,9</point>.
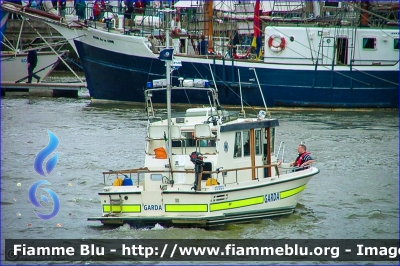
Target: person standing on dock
<point>32,62</point>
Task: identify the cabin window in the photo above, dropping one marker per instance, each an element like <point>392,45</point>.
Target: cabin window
<point>246,145</point>
<point>396,44</point>
<point>238,145</point>
<point>258,142</point>
<point>369,43</point>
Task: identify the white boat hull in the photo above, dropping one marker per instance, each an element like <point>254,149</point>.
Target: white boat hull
<point>14,67</point>
<point>213,206</point>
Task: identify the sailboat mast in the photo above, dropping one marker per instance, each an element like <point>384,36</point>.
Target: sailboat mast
<point>364,20</point>
<point>208,22</point>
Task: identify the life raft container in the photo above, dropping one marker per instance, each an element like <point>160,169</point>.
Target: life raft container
<point>118,182</point>
<point>276,48</point>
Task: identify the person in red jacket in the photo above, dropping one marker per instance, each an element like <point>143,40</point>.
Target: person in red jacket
<point>139,7</point>
<point>304,157</point>
<point>303,160</point>
<point>96,10</point>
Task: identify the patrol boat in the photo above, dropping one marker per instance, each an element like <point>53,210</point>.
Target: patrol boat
<point>205,168</point>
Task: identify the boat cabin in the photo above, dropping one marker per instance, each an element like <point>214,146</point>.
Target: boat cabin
<point>223,142</point>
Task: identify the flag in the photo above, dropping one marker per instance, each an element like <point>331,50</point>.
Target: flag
<point>166,54</point>
<point>257,43</point>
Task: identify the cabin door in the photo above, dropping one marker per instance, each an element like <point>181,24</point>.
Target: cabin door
<point>342,50</point>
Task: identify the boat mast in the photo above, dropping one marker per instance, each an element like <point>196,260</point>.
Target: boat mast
<point>208,22</point>
<point>364,20</point>
<point>168,73</point>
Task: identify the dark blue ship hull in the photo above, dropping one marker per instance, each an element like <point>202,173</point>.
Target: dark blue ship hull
<point>115,76</point>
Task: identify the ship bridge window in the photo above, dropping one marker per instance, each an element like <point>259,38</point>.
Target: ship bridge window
<point>273,140</point>
<point>238,145</point>
<point>369,43</point>
<point>243,148</point>
<point>396,44</point>
<point>246,146</point>
<point>258,142</point>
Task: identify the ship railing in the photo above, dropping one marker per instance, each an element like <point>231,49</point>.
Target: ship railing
<point>137,174</point>
<point>281,149</point>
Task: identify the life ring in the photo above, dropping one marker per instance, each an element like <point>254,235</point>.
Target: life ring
<point>276,48</point>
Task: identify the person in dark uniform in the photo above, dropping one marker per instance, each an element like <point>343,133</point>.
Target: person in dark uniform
<point>203,46</point>
<point>32,63</point>
<point>232,47</point>
<point>129,5</point>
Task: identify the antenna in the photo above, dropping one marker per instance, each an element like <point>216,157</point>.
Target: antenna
<point>262,95</point>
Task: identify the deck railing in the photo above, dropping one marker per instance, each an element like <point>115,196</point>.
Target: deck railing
<point>140,171</point>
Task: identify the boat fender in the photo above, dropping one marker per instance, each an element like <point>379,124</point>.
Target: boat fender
<point>127,181</point>
<point>211,182</point>
<point>276,48</point>
<point>118,182</point>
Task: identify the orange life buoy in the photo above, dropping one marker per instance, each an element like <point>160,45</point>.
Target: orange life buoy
<point>276,48</point>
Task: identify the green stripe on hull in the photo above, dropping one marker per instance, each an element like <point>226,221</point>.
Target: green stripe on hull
<point>291,192</point>
<point>186,208</point>
<point>125,208</point>
<point>236,203</point>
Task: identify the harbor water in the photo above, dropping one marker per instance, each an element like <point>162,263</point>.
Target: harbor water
<point>355,196</point>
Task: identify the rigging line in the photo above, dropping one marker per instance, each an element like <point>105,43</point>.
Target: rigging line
<point>55,44</point>
<point>372,13</point>
<point>365,73</point>
<point>9,47</point>
<point>148,73</point>
<point>8,41</point>
<point>212,74</point>
<point>62,60</point>
<point>227,86</point>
